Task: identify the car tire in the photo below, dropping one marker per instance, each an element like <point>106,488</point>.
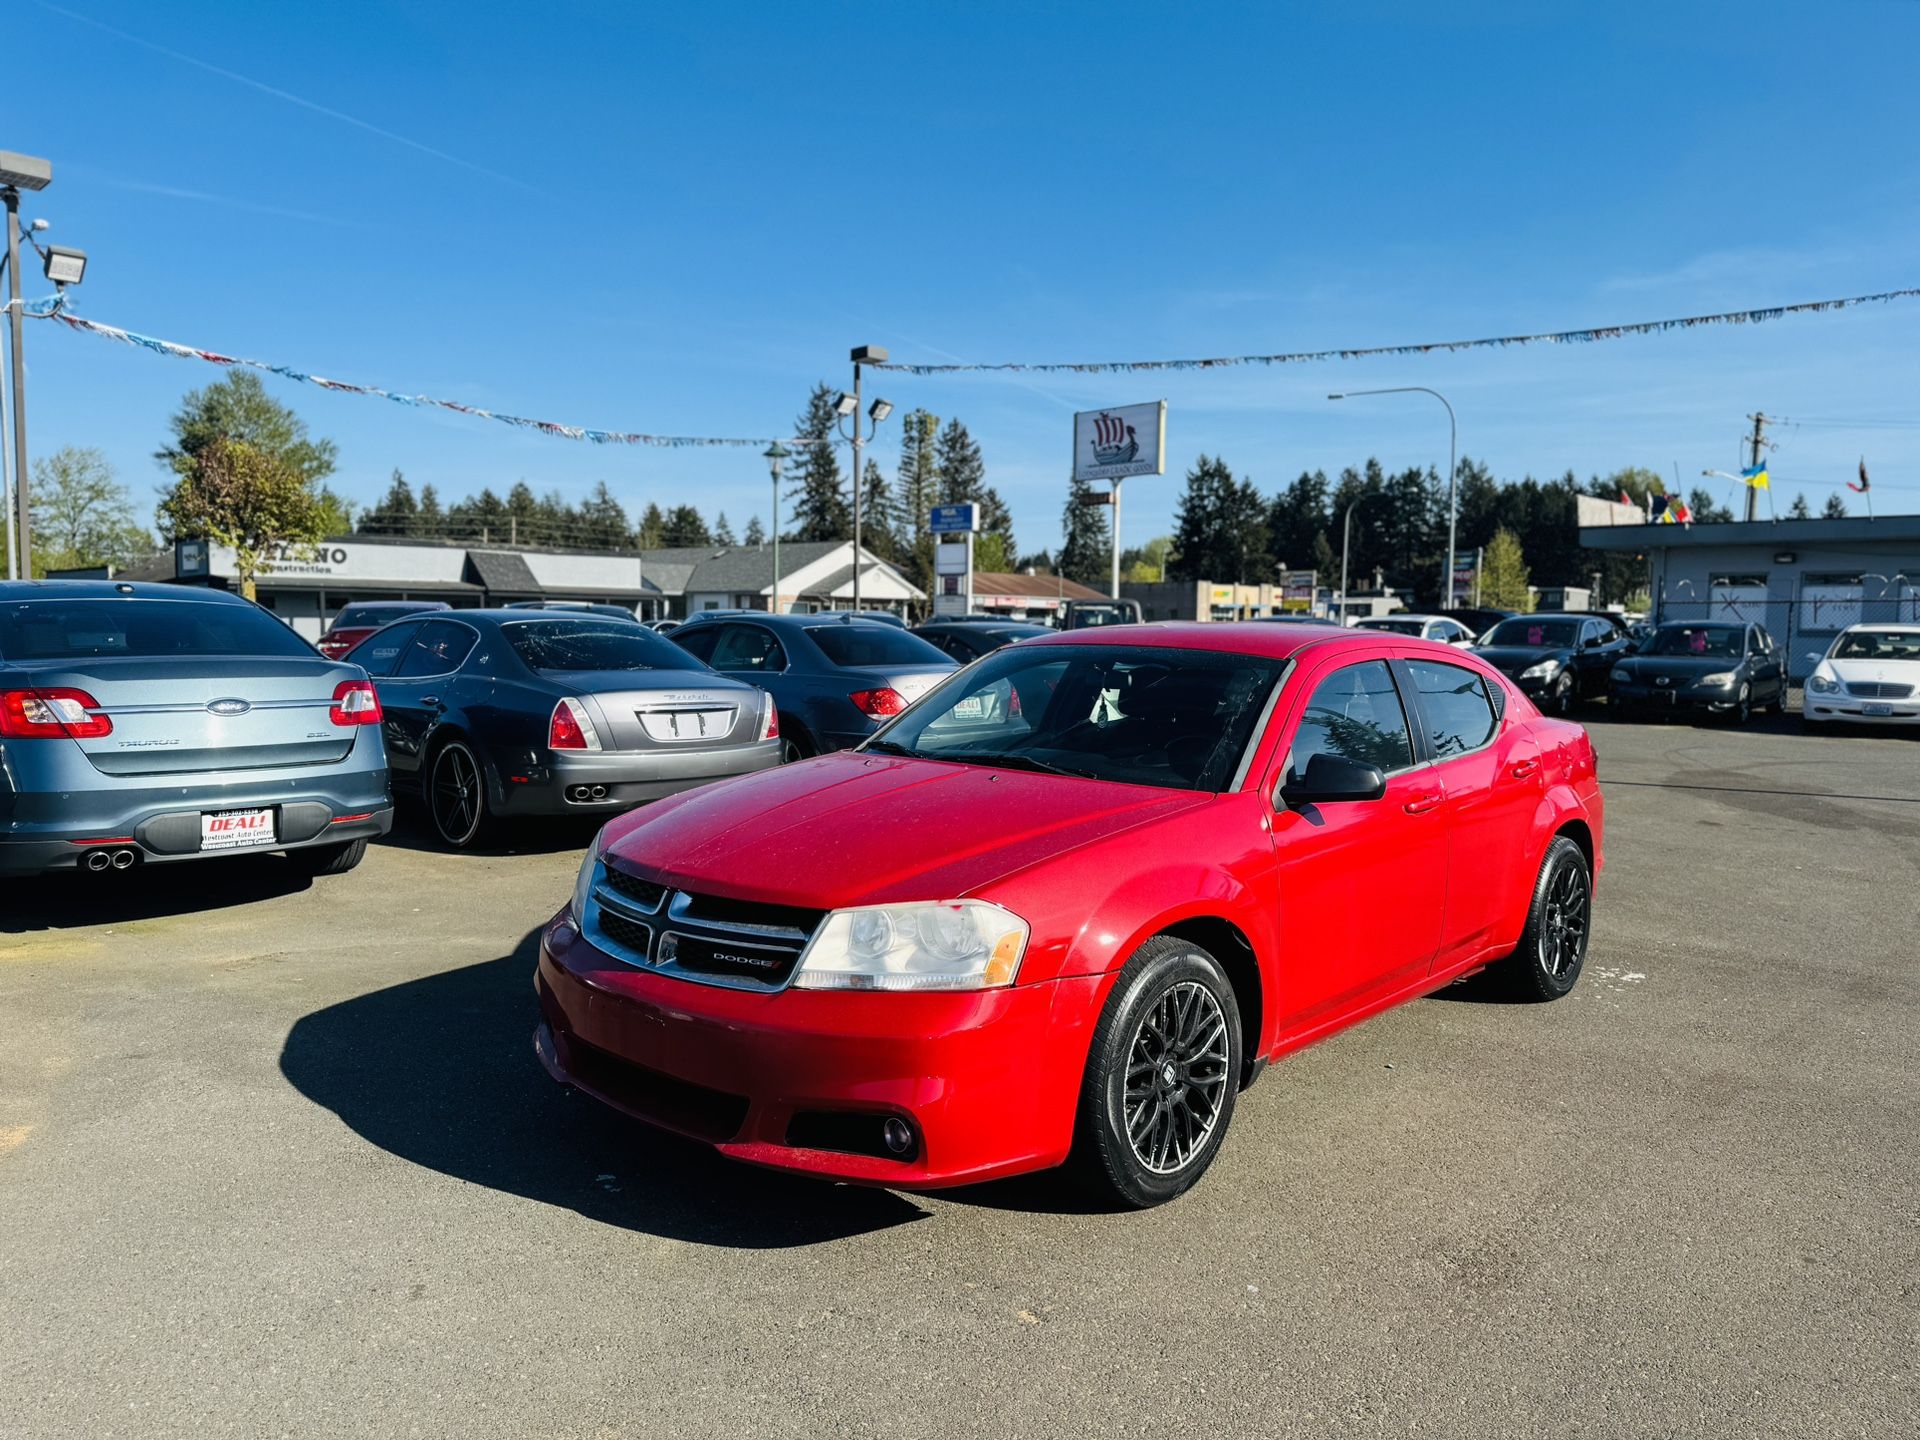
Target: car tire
<point>329,859</point>
<point>1560,698</point>
<point>1172,1027</point>
<point>457,795</point>
<point>1553,947</point>
<point>795,744</point>
<point>1743,706</point>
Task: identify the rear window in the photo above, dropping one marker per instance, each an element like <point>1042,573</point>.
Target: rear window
<point>594,645</point>
<point>368,617</point>
<point>864,643</point>
<point>1394,627</point>
<point>1533,634</point>
<point>140,629</point>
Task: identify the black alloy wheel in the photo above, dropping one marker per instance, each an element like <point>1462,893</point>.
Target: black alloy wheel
<point>1743,704</point>
<point>1553,947</point>
<point>456,795</point>
<point>1162,1075</point>
<point>1561,700</point>
<point>794,744</point>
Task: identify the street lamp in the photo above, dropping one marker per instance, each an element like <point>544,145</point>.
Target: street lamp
<point>776,457</point>
<point>1453,446</point>
<point>848,406</point>
<point>17,173</point>
<point>1346,539</point>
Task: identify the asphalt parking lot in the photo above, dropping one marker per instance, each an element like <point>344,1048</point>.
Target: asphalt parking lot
<point>278,1159</point>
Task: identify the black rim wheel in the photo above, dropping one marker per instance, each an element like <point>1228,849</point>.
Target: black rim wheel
<point>1564,923</point>
<point>1176,1078</point>
<point>1563,694</point>
<point>456,797</point>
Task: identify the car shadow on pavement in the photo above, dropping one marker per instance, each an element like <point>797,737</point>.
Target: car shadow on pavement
<point>440,1071</point>
<point>532,836</point>
<point>67,900</point>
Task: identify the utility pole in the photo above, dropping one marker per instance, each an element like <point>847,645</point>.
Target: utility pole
<point>1116,537</point>
<point>1758,443</point>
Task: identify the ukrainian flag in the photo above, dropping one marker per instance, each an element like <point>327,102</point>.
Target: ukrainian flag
<point>1756,477</point>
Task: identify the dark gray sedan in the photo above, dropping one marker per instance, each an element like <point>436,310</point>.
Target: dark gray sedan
<point>492,714</point>
<point>148,723</point>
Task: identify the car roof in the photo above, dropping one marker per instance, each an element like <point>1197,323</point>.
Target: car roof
<point>115,590</point>
<point>1401,615</point>
<point>1898,627</point>
<point>1247,637</point>
<point>396,605</point>
<point>785,622</point>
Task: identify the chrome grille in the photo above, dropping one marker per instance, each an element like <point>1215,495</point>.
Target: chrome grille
<point>1878,690</point>
<point>709,939</point>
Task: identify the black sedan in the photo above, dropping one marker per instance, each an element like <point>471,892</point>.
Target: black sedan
<point>968,641</point>
<point>499,713</point>
<point>1724,668</point>
<point>1557,660</point>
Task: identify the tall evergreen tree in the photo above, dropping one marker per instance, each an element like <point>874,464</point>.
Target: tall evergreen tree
<point>481,518</point>
<point>524,519</point>
<point>817,500</point>
<point>1835,508</point>
<point>1221,528</point>
<point>602,522</point>
<point>879,516</point>
<point>960,473</point>
<point>651,532</point>
<point>722,531</point>
<point>994,548</point>
<point>430,522</point>
<point>919,489</point>
<point>685,527</point>
<point>1798,510</point>
<point>1086,555</point>
<point>394,512</point>
<point>756,533</point>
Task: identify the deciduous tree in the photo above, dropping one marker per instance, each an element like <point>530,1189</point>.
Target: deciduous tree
<point>255,503</point>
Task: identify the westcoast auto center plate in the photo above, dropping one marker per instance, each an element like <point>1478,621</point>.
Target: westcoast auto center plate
<point>236,829</point>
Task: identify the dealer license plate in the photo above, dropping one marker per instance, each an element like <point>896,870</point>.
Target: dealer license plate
<point>235,829</point>
<point>1876,709</point>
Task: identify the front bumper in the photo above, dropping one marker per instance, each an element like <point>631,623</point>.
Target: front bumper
<point>1713,698</point>
<point>1844,709</point>
<point>987,1080</point>
<point>576,782</point>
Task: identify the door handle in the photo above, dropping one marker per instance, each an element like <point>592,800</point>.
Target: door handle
<point>1522,768</point>
<point>1421,804</point>
<point>429,699</point>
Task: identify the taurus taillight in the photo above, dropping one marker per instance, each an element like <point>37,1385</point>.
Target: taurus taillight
<point>51,713</point>
<point>355,702</point>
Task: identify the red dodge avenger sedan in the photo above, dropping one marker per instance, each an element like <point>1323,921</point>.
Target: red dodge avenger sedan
<point>1069,904</point>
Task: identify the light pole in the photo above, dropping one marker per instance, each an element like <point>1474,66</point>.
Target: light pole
<point>18,172</point>
<point>849,405</point>
<point>1453,449</point>
<point>776,456</point>
<point>1346,539</point>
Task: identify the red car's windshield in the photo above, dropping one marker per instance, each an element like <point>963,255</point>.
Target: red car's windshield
<point>1138,715</point>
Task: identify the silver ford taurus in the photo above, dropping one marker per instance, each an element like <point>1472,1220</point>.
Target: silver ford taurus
<point>147,723</point>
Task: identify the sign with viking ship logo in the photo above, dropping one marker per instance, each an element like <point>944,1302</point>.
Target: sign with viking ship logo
<point>1127,440</point>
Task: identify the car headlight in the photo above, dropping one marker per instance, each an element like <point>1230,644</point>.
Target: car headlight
<point>583,883</point>
<point>1822,684</point>
<point>1718,677</point>
<point>1621,672</point>
<point>1545,670</point>
<point>943,945</point>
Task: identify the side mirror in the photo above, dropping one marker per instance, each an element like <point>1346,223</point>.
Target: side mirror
<point>1334,777</point>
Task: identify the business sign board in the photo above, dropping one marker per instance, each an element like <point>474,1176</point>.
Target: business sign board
<point>952,520</point>
<point>953,573</point>
<point>1593,513</point>
<point>1297,589</point>
<point>1127,440</point>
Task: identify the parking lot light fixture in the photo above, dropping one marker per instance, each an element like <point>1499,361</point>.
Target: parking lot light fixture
<point>1453,464</point>
<point>848,407</point>
<point>64,265</point>
<point>879,410</point>
<point>776,457</point>
<point>845,404</point>
<point>17,173</point>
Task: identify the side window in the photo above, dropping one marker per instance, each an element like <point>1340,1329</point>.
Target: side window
<point>748,647</point>
<point>696,640</point>
<point>437,649</point>
<point>1354,713</point>
<point>381,651</point>
<point>1459,712</point>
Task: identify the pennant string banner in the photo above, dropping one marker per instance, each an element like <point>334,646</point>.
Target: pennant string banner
<point>1498,342</point>
<point>55,309</point>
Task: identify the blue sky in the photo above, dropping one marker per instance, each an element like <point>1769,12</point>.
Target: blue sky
<point>677,218</point>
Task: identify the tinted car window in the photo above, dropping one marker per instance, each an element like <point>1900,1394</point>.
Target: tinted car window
<point>747,647</point>
<point>438,648</point>
<point>366,617</point>
<point>1139,715</point>
<point>697,640</point>
<point>1558,634</point>
<point>1354,713</point>
<point>1695,640</point>
<point>592,645</point>
<point>864,643</point>
<point>1394,627</point>
<point>381,651</point>
<point>1456,706</point>
<point>141,629</point>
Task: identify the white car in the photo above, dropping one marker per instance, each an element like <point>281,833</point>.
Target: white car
<point>1870,675</point>
<point>1424,627</point>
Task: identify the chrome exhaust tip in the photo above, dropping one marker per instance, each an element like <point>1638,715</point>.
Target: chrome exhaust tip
<point>122,859</point>
<point>599,792</point>
<point>97,860</point>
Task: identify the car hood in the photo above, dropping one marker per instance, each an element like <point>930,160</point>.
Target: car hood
<point>1514,658</point>
<point>1871,672</point>
<point>1679,664</point>
<point>849,828</point>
